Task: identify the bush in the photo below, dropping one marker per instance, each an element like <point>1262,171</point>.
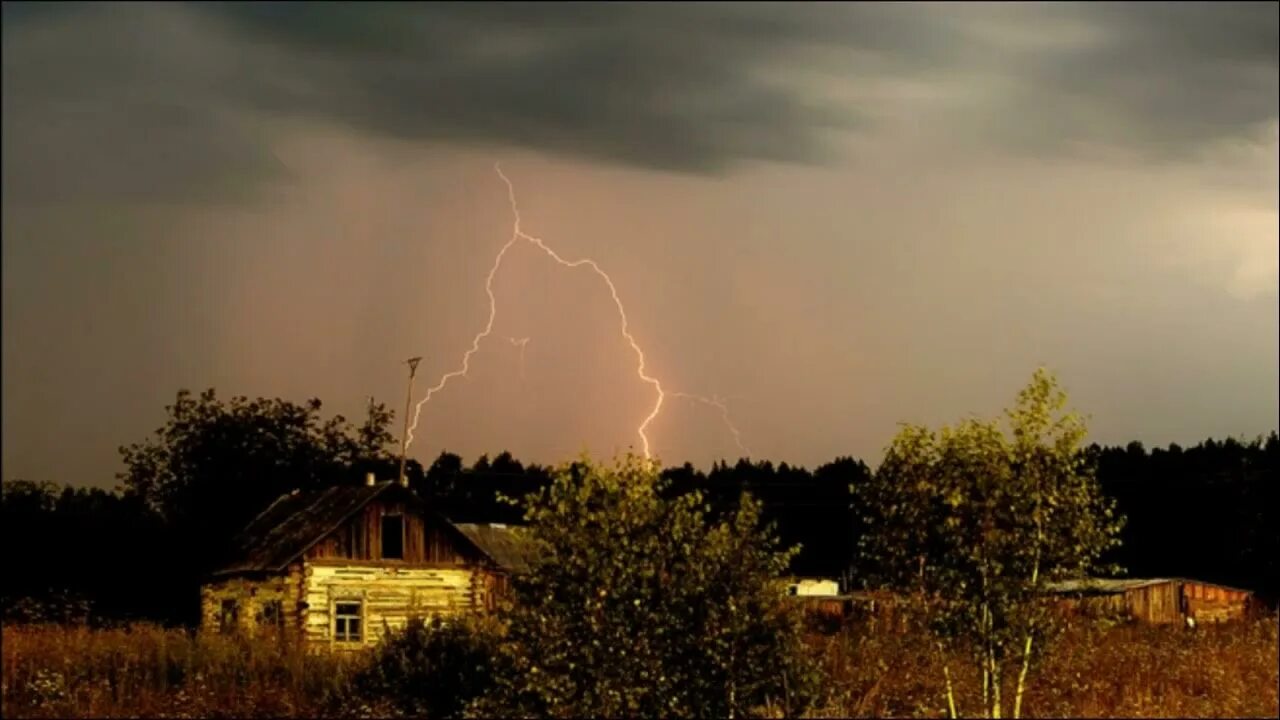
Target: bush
<point>434,668</point>
<point>639,604</point>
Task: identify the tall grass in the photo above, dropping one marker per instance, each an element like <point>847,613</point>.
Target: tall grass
<point>148,671</point>
<point>1093,671</point>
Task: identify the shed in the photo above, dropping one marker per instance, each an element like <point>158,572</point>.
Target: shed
<point>1153,600</point>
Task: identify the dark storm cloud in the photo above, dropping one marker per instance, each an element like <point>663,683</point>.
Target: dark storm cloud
<point>120,103</point>
<point>676,85</point>
<point>156,101</point>
<point>1160,78</point>
<point>670,87</point>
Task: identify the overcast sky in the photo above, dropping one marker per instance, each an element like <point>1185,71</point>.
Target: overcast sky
<point>839,217</point>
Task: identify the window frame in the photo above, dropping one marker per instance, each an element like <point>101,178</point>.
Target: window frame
<point>270,621</point>
<point>228,616</point>
<point>360,616</point>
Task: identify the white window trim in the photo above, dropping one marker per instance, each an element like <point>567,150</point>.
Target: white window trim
<point>344,598</point>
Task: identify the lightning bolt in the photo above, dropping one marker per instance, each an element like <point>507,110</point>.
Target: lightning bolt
<point>520,343</point>
<point>719,404</point>
<point>516,235</point>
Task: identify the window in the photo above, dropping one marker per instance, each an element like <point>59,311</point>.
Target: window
<point>346,621</point>
<point>392,537</point>
<point>228,616</point>
<point>271,615</point>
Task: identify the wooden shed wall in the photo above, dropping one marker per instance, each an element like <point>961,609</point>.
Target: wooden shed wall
<point>1112,605</point>
<point>1210,603</point>
<point>1167,602</point>
<point>1155,603</point>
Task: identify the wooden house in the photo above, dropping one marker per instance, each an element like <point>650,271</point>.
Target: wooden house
<point>1158,600</point>
<point>339,568</point>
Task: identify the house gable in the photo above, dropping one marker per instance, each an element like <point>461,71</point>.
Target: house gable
<point>426,537</point>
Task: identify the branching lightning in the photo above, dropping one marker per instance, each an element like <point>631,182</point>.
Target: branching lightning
<point>719,404</point>
<point>516,235</point>
<point>520,343</point>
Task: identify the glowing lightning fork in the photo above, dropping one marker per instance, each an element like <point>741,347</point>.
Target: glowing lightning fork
<point>617,301</point>
<point>475,342</point>
<point>719,404</point>
<point>520,343</point>
<point>518,234</point>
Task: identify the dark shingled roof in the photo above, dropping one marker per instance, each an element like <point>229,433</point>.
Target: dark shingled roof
<point>506,546</point>
<point>295,522</point>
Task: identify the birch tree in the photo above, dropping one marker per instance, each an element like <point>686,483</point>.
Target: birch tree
<point>972,521</point>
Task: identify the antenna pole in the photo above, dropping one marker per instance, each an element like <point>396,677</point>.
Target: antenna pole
<point>404,436</point>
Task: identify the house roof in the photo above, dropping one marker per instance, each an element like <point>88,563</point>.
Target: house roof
<point>1119,585</point>
<point>509,547</point>
<point>1102,585</point>
<point>295,522</point>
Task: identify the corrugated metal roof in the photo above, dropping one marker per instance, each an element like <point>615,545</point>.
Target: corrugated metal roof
<point>294,523</point>
<point>1103,585</point>
<point>509,547</point>
<point>1119,585</point>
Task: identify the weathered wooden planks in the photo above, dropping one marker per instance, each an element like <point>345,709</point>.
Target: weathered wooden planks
<point>388,596</point>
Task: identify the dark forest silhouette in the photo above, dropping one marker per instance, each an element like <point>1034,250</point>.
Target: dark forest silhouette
<point>139,552</point>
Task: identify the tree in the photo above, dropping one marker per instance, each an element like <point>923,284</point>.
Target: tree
<point>637,604</point>
<point>975,522</point>
<point>213,466</point>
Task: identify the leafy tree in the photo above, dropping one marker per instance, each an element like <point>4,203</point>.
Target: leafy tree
<point>72,540</point>
<point>639,605</point>
<point>214,465</point>
<point>975,521</point>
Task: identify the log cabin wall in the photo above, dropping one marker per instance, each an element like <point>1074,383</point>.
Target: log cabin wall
<point>384,596</point>
<point>254,606</point>
<point>434,576</point>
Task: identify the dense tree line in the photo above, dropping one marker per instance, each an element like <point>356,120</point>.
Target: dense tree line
<point>1207,511</point>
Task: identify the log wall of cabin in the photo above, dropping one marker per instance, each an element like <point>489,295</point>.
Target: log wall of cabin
<point>251,595</point>
<point>389,594</point>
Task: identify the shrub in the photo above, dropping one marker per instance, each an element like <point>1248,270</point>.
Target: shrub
<point>434,668</point>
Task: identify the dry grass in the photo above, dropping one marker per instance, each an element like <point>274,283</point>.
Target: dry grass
<point>147,671</point>
<point>1126,671</point>
<point>1132,671</point>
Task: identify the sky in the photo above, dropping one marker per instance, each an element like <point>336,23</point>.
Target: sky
<point>836,217</point>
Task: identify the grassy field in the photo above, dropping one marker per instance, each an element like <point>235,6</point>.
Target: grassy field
<point>1130,671</point>
<point>1126,671</point>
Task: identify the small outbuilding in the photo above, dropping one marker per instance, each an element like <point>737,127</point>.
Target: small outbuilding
<point>1154,600</point>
